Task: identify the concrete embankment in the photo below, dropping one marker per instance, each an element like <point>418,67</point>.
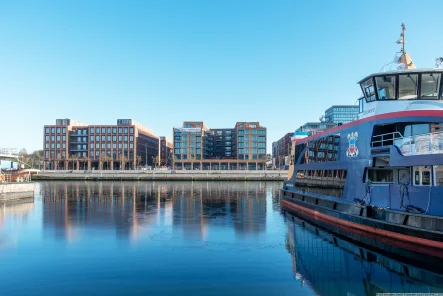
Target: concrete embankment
<point>164,175</point>
<point>13,191</point>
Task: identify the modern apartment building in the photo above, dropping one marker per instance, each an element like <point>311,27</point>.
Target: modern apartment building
<point>281,151</point>
<point>70,144</point>
<point>197,147</point>
<point>341,114</point>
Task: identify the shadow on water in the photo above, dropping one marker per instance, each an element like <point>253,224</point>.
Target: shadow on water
<point>333,265</point>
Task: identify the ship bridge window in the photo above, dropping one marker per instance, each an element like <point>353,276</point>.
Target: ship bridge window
<point>386,87</point>
<point>430,84</point>
<point>407,87</point>
<point>368,90</point>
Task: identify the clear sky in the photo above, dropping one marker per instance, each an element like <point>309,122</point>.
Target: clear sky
<point>163,62</point>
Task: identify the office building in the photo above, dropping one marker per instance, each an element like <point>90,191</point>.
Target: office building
<point>341,114</point>
<point>70,144</point>
<point>281,150</point>
<point>197,147</point>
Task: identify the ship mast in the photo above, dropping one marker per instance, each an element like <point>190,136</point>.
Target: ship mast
<point>405,60</point>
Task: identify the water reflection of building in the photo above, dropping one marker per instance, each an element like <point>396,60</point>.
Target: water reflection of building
<point>130,207</point>
<point>238,204</point>
<point>125,207</point>
<point>333,266</point>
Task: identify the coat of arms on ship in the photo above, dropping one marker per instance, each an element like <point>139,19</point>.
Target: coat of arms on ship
<point>352,149</point>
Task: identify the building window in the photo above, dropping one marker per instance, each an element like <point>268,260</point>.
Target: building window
<point>47,130</point>
<point>91,146</point>
<point>241,139</point>
<point>120,145</point>
<point>114,130</point>
<point>109,130</point>
<point>91,138</point>
<point>108,146</point>
<point>97,138</point>
<point>114,145</point>
<point>63,138</point>
<point>47,145</point>
<point>119,130</point>
<point>114,138</point>
<point>46,138</point>
<point>52,145</point>
<point>254,132</point>
<point>58,130</point>
<point>126,138</point>
<point>91,130</point>
<point>97,130</point>
<point>131,145</point>
<point>103,130</point>
<point>119,138</point>
<point>97,146</point>
<point>126,130</point>
<point>131,130</point>
<point>103,138</point>
<point>52,138</point>
<point>108,138</point>
<point>52,130</point>
<point>64,130</point>
<point>241,132</point>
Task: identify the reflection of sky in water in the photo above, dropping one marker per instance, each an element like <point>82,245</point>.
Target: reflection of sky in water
<point>148,238</point>
<point>163,238</point>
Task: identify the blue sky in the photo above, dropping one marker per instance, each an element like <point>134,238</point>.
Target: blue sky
<point>163,62</point>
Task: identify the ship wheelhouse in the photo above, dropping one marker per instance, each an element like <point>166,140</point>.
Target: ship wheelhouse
<point>406,145</point>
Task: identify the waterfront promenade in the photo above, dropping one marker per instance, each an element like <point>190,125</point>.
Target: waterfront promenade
<point>164,175</point>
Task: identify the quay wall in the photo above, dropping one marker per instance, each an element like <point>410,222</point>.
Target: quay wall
<point>160,175</point>
<point>13,191</point>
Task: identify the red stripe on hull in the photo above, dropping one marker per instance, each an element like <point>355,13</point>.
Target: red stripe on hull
<point>408,242</point>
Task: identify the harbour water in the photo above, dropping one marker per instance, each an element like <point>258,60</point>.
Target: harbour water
<point>183,238</point>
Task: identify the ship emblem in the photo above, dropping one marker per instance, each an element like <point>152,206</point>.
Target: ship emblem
<point>352,149</point>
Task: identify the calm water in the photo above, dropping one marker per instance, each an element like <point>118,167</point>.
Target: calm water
<point>196,238</point>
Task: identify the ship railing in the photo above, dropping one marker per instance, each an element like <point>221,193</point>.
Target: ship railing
<point>431,143</point>
<point>385,139</point>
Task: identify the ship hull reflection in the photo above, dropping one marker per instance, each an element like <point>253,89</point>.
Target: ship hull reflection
<point>336,264</point>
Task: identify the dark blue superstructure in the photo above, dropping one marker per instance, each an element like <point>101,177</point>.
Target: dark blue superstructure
<point>384,170</point>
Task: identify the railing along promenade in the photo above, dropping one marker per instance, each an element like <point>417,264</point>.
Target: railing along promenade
<point>177,175</point>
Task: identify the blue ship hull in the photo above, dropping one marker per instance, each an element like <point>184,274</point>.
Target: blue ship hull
<point>403,205</point>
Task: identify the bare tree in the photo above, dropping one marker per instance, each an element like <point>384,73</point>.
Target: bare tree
<point>74,158</point>
<point>155,161</point>
<point>84,161</point>
<point>138,160</point>
<point>123,161</point>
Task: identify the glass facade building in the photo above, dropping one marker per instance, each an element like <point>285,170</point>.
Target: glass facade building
<point>198,147</point>
<point>341,114</point>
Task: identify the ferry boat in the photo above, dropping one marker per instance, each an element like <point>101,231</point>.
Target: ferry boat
<point>380,176</point>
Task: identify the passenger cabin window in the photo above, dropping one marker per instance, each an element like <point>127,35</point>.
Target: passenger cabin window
<point>438,173</point>
<point>324,149</point>
<point>386,87</point>
<point>422,176</point>
<point>368,90</point>
<point>430,84</point>
<point>381,175</point>
<point>407,87</point>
